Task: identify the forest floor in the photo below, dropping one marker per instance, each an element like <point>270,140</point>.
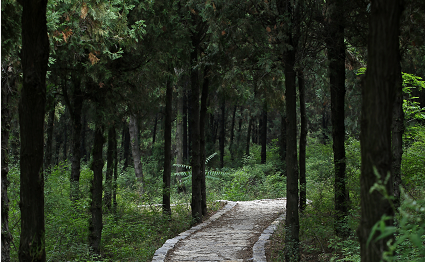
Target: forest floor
<point>238,232</point>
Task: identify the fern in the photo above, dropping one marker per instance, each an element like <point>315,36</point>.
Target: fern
<point>208,173</point>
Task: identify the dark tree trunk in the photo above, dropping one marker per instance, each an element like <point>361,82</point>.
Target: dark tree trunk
<point>397,144</point>
<point>126,145</point>
<point>83,150</point>
<point>303,141</point>
<point>49,142</point>
<point>6,236</point>
<point>383,78</point>
<point>166,178</point>
<point>202,121</point>
<point>336,57</point>
<point>134,138</point>
<point>248,137</point>
<point>75,108</point>
<point>221,139</point>
<point>325,122</point>
<point>292,218</point>
<point>185,113</point>
<point>179,138</point>
<point>264,134</point>
<point>114,179</point>
<point>194,128</point>
<point>35,54</point>
<point>232,135</point>
<point>107,199</point>
<point>95,222</point>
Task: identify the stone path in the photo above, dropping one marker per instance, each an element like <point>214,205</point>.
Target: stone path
<point>238,232</point>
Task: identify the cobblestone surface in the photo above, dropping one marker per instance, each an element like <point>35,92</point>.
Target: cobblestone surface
<point>238,232</point>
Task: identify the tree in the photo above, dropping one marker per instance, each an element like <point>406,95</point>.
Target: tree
<point>35,54</point>
<point>383,78</point>
<point>166,179</point>
<point>303,140</point>
<point>95,222</point>
<point>135,150</point>
<point>336,55</point>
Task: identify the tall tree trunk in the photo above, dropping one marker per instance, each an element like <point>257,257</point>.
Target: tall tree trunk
<point>126,145</point>
<point>83,150</point>
<point>292,218</point>
<point>264,134</point>
<point>248,137</point>
<point>115,177</point>
<point>303,141</point>
<point>6,236</point>
<point>202,121</point>
<point>179,138</point>
<point>397,144</point>
<point>383,78</point>
<point>107,198</point>
<point>166,190</point>
<point>75,109</point>
<point>194,127</point>
<point>135,149</point>
<point>185,114</point>
<point>49,142</point>
<point>232,135</point>
<point>35,54</point>
<point>221,139</point>
<point>95,222</point>
<point>336,56</point>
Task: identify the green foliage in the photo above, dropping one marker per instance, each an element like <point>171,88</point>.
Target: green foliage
<point>413,163</point>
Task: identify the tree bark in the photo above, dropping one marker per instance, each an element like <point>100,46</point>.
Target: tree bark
<point>264,134</point>
<point>126,145</point>
<point>6,236</point>
<point>166,190</point>
<point>336,56</point>
<point>83,150</point>
<point>383,78</point>
<point>185,114</point>
<point>303,141</point>
<point>202,120</point>
<point>248,137</point>
<point>179,138</point>
<point>75,108</point>
<point>397,144</point>
<point>135,149</point>
<point>194,126</point>
<point>107,199</point>
<point>35,54</point>
<point>221,139</point>
<point>232,135</point>
<point>95,222</point>
<point>292,218</point>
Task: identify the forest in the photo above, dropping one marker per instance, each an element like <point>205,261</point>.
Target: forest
<point>124,121</point>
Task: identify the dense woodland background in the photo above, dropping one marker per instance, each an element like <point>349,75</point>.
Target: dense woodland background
<point>130,109</point>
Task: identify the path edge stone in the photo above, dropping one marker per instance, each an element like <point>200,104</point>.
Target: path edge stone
<point>258,250</point>
<point>161,253</point>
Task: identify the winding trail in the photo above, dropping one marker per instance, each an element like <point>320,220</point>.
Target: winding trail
<point>238,232</point>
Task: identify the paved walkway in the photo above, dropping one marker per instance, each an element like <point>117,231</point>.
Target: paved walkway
<point>238,232</point>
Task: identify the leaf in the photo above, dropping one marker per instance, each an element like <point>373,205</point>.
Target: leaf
<point>84,11</point>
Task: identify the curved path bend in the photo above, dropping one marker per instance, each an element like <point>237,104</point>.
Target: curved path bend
<point>238,232</point>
